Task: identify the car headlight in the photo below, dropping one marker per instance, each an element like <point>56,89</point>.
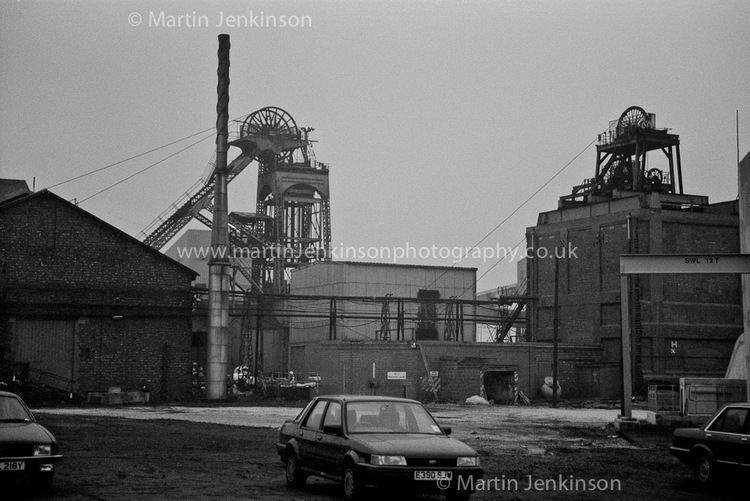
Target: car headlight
<point>468,461</point>
<point>387,460</point>
<point>42,450</point>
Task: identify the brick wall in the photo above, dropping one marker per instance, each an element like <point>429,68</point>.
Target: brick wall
<point>700,313</point>
<point>131,305</point>
<point>135,352</point>
<point>346,367</point>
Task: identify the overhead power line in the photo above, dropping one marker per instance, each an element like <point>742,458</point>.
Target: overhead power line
<point>514,212</point>
<point>80,176</point>
<point>497,262</point>
<point>94,171</point>
<point>559,171</point>
<point>144,169</point>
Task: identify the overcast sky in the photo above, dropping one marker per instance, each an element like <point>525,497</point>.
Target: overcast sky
<point>438,118</point>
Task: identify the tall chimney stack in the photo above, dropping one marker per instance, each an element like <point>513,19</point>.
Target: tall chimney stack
<point>218,265</point>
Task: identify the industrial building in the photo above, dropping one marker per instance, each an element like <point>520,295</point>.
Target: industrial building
<point>362,326</point>
<point>683,325</point>
<point>368,338</point>
<point>423,285</point>
<point>395,353</point>
<point>85,307</point>
<point>409,330</point>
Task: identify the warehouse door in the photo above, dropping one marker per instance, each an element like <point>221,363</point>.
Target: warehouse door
<point>47,345</point>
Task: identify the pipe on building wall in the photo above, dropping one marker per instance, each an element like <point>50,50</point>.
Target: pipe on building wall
<point>628,220</point>
<point>218,265</point>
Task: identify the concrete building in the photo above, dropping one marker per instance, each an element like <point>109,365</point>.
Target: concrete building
<point>359,358</point>
<point>87,306</point>
<point>192,249</point>
<point>336,278</point>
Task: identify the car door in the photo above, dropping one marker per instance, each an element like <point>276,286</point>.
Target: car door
<point>308,436</point>
<point>332,442</point>
<point>724,436</point>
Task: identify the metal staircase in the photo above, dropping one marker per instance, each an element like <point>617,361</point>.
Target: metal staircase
<point>513,314</point>
<point>36,385</point>
<point>199,197</point>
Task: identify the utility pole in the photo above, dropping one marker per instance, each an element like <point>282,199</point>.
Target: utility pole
<point>258,362</point>
<point>218,265</point>
<point>555,328</point>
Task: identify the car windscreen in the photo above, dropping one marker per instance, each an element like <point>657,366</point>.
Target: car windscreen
<point>12,410</point>
<point>389,417</point>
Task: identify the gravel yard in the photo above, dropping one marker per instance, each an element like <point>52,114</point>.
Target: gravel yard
<point>228,452</point>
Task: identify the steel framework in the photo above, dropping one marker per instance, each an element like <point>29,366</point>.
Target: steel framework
<point>292,222</point>
<point>621,159</point>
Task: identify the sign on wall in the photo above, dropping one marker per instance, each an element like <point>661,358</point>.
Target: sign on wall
<point>396,375</point>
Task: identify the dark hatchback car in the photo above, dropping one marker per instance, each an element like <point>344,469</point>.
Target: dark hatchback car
<point>26,447</point>
<point>723,443</point>
<point>369,441</point>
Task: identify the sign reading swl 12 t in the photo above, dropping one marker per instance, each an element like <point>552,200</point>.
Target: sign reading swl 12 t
<point>396,375</point>
<point>684,263</point>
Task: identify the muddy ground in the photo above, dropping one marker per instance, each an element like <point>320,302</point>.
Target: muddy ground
<point>117,458</point>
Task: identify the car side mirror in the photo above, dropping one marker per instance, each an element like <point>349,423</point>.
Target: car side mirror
<point>447,430</point>
<point>333,430</point>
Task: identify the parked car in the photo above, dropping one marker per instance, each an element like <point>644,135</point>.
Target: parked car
<point>723,443</point>
<point>26,447</point>
<point>370,441</point>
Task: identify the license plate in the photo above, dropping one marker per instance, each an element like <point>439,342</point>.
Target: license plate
<point>12,466</point>
<point>432,475</point>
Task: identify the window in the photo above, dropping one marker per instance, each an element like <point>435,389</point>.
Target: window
<point>730,421</point>
<point>389,417</point>
<point>718,422</point>
<point>333,415</point>
<point>315,416</point>
<point>303,412</point>
<point>734,420</point>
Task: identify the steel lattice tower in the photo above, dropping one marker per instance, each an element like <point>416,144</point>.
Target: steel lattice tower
<point>292,222</point>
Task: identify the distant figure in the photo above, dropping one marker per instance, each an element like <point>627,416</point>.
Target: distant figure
<point>547,388</point>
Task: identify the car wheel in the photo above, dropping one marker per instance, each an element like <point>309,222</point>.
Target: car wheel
<point>351,484</point>
<point>703,469</point>
<point>294,476</point>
